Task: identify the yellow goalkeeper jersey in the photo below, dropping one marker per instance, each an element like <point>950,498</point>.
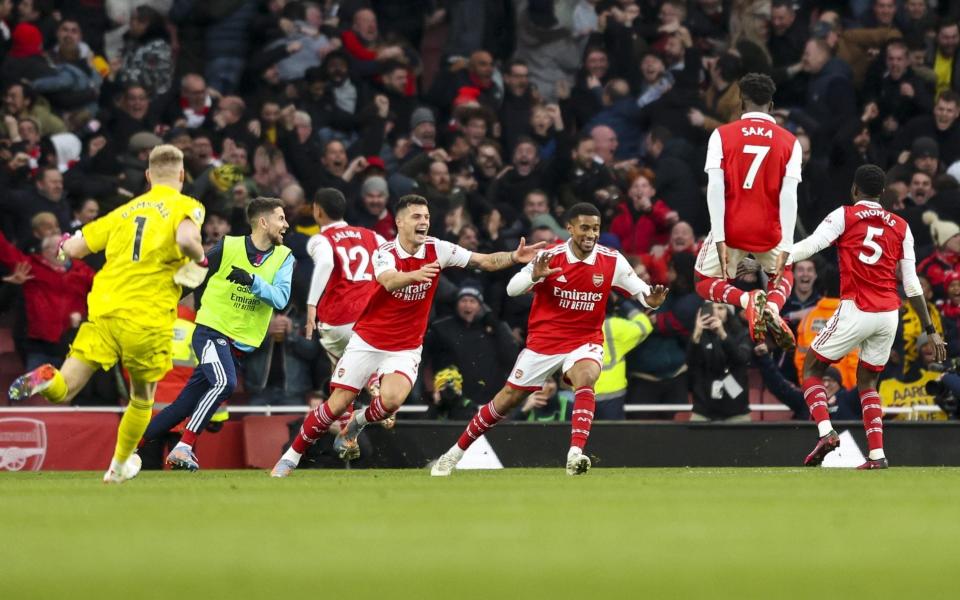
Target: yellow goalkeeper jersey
<point>139,238</point>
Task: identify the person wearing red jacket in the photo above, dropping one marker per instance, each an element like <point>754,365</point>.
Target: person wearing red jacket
<point>641,221</point>
<point>658,260</point>
<point>55,294</point>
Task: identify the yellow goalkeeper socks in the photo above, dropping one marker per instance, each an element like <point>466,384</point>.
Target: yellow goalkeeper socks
<point>132,425</point>
<point>54,386</point>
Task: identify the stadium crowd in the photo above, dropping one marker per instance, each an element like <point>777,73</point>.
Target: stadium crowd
<point>502,114</point>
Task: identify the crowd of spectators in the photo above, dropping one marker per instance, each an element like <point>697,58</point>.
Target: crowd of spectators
<point>502,113</point>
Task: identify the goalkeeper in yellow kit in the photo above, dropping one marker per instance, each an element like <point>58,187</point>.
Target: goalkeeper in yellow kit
<point>152,246</point>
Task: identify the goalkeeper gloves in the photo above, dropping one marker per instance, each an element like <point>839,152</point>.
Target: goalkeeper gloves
<point>61,255</point>
<point>192,274</point>
<point>239,276</point>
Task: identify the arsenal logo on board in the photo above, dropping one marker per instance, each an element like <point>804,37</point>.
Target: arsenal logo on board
<point>23,444</point>
<point>598,279</point>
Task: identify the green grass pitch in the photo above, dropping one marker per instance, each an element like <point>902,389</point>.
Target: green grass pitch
<point>518,533</point>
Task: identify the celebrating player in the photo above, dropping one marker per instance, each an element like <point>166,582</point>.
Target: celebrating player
<point>133,303</point>
<point>389,333</point>
<point>341,286</point>
<point>571,284</point>
<point>754,169</point>
<point>871,243</point>
<point>249,278</point>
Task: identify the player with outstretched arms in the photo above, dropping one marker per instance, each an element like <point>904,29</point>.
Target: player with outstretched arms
<point>152,246</point>
<point>753,166</point>
<point>342,283</point>
<point>571,284</point>
<point>388,336</point>
<point>871,244</point>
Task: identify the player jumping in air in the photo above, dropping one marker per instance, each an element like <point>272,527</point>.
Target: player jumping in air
<point>342,284</point>
<point>249,277</point>
<point>389,333</point>
<point>871,243</point>
<point>151,244</point>
<point>753,167</point>
<point>571,284</point>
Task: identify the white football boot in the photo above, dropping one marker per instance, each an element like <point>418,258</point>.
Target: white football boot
<point>578,463</point>
<point>118,473</point>
<point>447,462</point>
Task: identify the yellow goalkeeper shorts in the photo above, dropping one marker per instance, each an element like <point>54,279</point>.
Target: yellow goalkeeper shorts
<point>146,353</point>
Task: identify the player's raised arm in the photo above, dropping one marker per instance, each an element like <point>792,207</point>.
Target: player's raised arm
<point>826,233</point>
<point>502,260</point>
<point>914,293</point>
<point>625,278</point>
<point>385,270</point>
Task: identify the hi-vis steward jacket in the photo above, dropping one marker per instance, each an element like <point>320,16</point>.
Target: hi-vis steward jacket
<point>619,337</point>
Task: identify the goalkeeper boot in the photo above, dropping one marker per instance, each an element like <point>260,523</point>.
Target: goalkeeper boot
<point>447,462</point>
<point>779,330</point>
<point>825,445</point>
<point>879,463</point>
<point>578,463</point>
<point>118,473</point>
<point>755,314</point>
<point>32,383</point>
<point>182,458</point>
<point>283,468</point>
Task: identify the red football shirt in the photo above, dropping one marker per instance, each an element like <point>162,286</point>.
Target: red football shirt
<point>569,307</point>
<point>343,272</point>
<point>755,155</point>
<point>870,243</point>
<point>397,320</point>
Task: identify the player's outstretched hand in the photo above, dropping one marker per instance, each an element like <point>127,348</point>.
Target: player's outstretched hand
<point>939,347</point>
<point>657,296</point>
<point>190,275</point>
<point>239,276</point>
<point>426,272</point>
<point>541,267</point>
<point>524,253</point>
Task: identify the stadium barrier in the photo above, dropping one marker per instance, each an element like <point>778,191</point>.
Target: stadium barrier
<point>81,438</point>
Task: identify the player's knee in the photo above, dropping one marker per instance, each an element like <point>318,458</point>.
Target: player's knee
<point>229,386</point>
<point>511,397</point>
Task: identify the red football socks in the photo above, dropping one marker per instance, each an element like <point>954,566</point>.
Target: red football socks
<point>872,418</point>
<point>315,424</point>
<point>778,295</point>
<point>481,422</point>
<point>377,411</point>
<point>718,290</point>
<point>816,396</point>
<point>584,403</point>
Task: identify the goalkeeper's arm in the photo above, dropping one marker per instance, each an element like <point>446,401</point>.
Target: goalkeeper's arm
<point>192,274</point>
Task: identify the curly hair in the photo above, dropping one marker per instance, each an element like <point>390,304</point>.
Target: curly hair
<point>757,88</point>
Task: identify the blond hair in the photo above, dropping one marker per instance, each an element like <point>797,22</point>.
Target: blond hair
<point>166,162</point>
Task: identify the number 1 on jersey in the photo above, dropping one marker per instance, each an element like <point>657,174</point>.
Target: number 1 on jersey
<point>138,238</point>
<point>759,153</point>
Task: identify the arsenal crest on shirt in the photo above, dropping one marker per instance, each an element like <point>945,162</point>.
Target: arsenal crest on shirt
<point>598,279</point>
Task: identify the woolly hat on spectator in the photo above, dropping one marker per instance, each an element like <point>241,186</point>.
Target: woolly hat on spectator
<point>834,374</point>
<point>924,147</point>
<point>940,231</point>
<point>68,148</point>
<point>374,184</point>
<point>470,290</point>
<point>421,115</point>
<point>26,40</point>
<point>143,140</point>
<point>949,277</point>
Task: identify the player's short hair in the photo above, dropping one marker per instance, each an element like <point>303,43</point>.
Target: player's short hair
<point>869,179</point>
<point>166,162</point>
<point>582,209</point>
<point>757,88</point>
<point>411,200</point>
<point>261,205</point>
<point>332,202</point>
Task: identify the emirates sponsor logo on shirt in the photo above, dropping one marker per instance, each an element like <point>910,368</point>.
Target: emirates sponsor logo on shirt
<point>577,300</point>
<point>598,279</point>
<point>413,292</point>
